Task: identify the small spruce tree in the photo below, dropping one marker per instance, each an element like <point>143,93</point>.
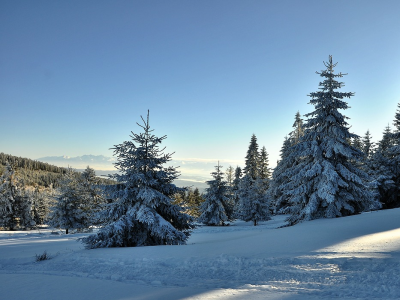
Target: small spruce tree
<point>217,207</point>
<point>142,212</point>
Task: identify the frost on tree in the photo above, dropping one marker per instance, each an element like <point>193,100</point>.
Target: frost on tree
<point>15,203</point>
<point>252,159</point>
<point>253,200</point>
<point>92,195</point>
<point>279,177</point>
<point>325,183</point>
<point>384,166</point>
<point>142,212</point>
<point>40,206</point>
<point>70,210</point>
<point>253,203</point>
<point>217,207</point>
<point>394,155</point>
<point>235,186</point>
<point>264,172</point>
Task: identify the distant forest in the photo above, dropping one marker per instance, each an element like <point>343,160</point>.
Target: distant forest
<point>36,173</point>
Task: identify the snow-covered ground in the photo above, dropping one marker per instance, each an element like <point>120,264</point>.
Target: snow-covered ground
<point>355,257</point>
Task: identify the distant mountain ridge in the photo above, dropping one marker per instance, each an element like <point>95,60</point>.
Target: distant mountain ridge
<point>97,162</point>
<point>194,172</point>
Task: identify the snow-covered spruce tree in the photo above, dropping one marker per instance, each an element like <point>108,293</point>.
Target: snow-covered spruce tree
<point>298,129</point>
<point>280,202</point>
<point>325,183</point>
<point>69,210</point>
<point>367,145</point>
<point>252,159</point>
<point>235,186</point>
<point>15,203</point>
<point>356,143</point>
<point>384,165</point>
<point>253,200</point>
<point>394,155</point>
<point>253,204</point>
<point>92,195</point>
<point>230,176</point>
<point>40,206</point>
<point>280,178</point>
<point>142,213</point>
<point>264,171</point>
<point>217,207</point>
<point>6,197</point>
<point>379,167</point>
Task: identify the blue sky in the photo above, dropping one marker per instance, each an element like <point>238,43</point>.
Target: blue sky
<point>75,76</point>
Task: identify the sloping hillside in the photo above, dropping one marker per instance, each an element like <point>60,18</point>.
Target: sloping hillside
<point>356,257</point>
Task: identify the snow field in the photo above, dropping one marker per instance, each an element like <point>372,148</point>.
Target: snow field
<point>355,257</point>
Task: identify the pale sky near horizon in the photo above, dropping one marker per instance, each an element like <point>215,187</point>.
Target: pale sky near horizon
<point>75,76</point>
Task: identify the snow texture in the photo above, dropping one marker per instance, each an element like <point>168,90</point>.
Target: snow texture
<point>356,257</point>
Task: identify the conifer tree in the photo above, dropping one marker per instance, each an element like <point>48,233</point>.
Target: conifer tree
<point>235,188</point>
<point>142,212</point>
<point>92,195</point>
<point>367,145</point>
<point>394,153</point>
<point>253,200</point>
<point>379,168</point>
<point>15,203</point>
<point>264,170</point>
<point>280,178</point>
<point>190,200</point>
<point>217,207</point>
<point>230,173</point>
<point>253,204</point>
<point>298,130</point>
<point>7,190</point>
<point>252,159</point>
<point>356,143</point>
<point>69,211</point>
<point>40,206</point>
<point>325,183</point>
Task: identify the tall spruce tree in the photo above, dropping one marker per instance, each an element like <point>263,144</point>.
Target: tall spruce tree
<point>142,213</point>
<point>279,177</point>
<point>394,154</point>
<point>264,170</point>
<point>252,159</point>
<point>217,207</point>
<point>253,204</point>
<point>325,183</point>
<point>235,188</point>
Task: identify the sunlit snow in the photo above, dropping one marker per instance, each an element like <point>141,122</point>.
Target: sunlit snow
<point>355,257</point>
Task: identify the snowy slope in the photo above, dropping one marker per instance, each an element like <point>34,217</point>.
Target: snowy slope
<point>355,257</point>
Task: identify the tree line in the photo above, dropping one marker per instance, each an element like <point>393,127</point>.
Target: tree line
<point>325,171</point>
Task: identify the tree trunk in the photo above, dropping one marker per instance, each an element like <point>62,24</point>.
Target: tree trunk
<point>66,231</point>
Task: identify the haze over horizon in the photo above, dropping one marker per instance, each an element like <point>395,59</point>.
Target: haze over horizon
<point>76,76</point>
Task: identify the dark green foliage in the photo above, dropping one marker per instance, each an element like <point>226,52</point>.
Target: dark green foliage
<point>190,200</point>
